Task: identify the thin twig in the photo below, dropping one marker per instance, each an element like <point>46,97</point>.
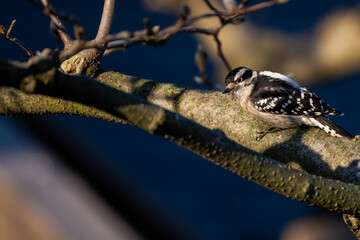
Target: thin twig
<point>8,36</point>
<point>157,37</point>
<point>10,28</point>
<point>79,30</point>
<point>243,3</point>
<point>235,13</point>
<point>256,7</point>
<point>193,29</point>
<point>106,19</point>
<point>50,11</point>
<point>186,25</point>
<point>220,52</point>
<point>209,4</point>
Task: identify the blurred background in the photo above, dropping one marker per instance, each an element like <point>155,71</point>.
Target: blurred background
<point>69,177</point>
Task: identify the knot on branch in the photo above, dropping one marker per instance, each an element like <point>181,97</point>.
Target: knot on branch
<point>85,62</point>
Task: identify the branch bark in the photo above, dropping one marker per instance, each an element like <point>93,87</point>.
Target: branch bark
<point>309,149</point>
<point>42,77</point>
<point>106,19</point>
<point>64,34</point>
<point>7,34</point>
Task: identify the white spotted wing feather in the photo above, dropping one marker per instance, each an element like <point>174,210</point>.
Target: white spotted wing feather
<point>279,94</point>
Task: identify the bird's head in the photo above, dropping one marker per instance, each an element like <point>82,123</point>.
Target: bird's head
<point>238,77</point>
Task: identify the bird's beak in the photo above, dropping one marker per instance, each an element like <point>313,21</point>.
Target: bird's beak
<point>229,87</point>
<point>227,90</point>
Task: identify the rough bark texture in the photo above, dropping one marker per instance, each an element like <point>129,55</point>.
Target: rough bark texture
<point>15,102</point>
<point>41,77</point>
<point>309,149</point>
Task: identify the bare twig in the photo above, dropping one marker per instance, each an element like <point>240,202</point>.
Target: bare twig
<point>243,3</point>
<point>106,19</point>
<point>209,4</point>
<point>256,7</point>
<point>79,30</point>
<point>50,11</point>
<point>239,11</point>
<point>221,53</point>
<point>8,36</point>
<point>10,28</point>
<point>187,25</point>
<point>157,37</point>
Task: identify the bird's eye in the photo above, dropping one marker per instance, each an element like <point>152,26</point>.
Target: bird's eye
<point>239,79</point>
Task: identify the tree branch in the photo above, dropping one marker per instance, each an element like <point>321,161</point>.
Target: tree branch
<point>150,35</point>
<point>8,36</point>
<point>209,4</point>
<point>50,11</point>
<point>310,149</point>
<point>106,19</point>
<point>16,102</point>
<point>41,76</point>
<point>221,53</point>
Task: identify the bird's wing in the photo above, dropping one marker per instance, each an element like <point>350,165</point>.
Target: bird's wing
<point>282,97</point>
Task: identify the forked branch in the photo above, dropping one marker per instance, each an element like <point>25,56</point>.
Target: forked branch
<point>50,11</point>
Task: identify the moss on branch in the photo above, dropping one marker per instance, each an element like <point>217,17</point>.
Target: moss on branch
<point>310,149</point>
<point>213,145</point>
<point>16,102</point>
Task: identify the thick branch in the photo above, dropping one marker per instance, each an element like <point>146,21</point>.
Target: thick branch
<point>309,149</point>
<point>16,102</point>
<point>39,76</point>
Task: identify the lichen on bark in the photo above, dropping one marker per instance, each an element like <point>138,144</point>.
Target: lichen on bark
<point>210,142</point>
<point>310,149</point>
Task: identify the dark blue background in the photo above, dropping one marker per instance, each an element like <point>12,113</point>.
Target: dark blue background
<point>207,200</point>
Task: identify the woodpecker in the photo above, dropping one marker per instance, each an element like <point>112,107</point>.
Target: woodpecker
<point>280,101</point>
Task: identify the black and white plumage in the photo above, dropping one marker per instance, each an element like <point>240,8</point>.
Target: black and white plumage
<point>281,101</point>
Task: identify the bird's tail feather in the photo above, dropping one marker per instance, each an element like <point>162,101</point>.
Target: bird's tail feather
<point>332,128</point>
